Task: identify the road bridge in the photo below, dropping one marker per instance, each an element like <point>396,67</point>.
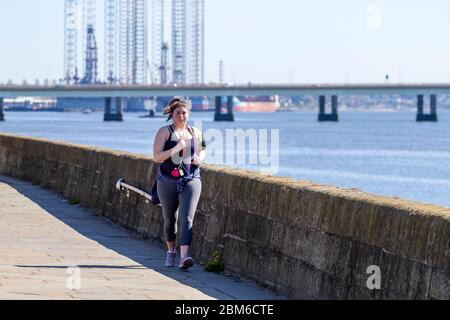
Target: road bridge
<point>323,91</point>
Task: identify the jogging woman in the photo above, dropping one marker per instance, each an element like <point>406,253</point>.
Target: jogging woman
<point>180,149</point>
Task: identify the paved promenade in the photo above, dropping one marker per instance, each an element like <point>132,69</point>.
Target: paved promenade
<point>46,243</point>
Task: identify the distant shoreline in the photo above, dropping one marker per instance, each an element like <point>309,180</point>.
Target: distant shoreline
<point>362,110</point>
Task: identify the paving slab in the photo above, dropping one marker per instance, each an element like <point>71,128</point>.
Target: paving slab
<point>50,250</point>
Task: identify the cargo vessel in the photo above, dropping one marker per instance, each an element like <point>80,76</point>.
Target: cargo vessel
<point>254,104</point>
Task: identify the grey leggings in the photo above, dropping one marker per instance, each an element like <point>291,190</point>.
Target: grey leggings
<point>183,205</point>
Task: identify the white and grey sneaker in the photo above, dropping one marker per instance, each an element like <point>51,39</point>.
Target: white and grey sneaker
<point>170,259</point>
<point>186,263</point>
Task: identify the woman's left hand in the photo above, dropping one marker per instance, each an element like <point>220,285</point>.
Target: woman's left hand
<point>196,160</point>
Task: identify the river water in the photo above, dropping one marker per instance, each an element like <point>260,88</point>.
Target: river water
<point>385,153</point>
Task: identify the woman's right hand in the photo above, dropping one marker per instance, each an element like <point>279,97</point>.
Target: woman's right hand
<point>180,146</point>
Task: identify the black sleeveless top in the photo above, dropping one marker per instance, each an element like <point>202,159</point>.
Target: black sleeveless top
<point>184,161</point>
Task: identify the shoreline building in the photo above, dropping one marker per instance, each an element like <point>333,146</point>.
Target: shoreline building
<point>188,46</point>
<point>188,41</point>
<point>133,41</point>
<point>88,29</point>
<point>133,48</point>
<point>71,19</point>
<point>158,62</point>
<point>111,40</point>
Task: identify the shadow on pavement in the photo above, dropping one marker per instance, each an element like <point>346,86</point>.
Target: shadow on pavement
<point>146,253</point>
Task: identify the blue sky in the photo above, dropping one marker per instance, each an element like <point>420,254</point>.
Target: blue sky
<point>266,41</point>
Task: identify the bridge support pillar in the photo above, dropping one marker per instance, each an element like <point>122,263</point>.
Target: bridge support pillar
<point>229,116</point>
<point>432,116</point>
<point>2,115</point>
<point>323,116</point>
<point>113,116</point>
